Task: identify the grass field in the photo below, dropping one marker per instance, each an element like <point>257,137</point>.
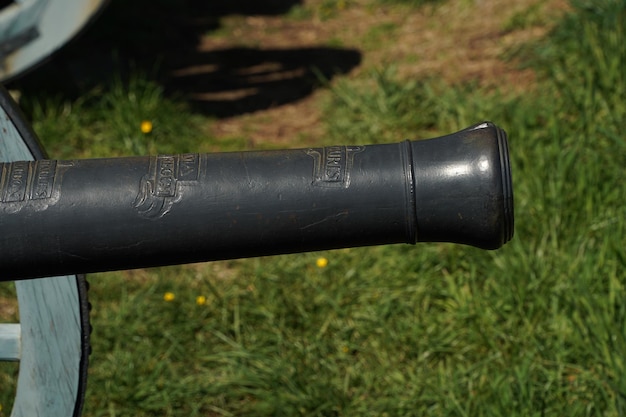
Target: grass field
<point>537,328</point>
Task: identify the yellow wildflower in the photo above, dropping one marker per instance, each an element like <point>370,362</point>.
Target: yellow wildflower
<point>321,262</point>
<point>169,296</point>
<point>201,300</point>
<point>146,126</point>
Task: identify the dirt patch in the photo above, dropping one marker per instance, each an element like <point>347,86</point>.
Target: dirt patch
<point>255,66</point>
<point>468,43</point>
<point>8,309</point>
<point>291,125</point>
<point>458,41</point>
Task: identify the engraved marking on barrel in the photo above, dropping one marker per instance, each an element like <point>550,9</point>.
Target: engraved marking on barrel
<point>160,188</point>
<point>43,179</point>
<point>333,165</point>
<point>16,182</point>
<point>188,167</point>
<point>165,179</point>
<point>33,184</point>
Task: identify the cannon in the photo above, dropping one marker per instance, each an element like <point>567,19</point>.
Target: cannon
<point>63,219</point>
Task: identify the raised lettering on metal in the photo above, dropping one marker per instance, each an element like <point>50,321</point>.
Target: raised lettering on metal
<point>160,189</point>
<point>333,165</point>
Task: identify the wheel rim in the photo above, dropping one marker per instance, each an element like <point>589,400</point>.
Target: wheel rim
<point>53,333</point>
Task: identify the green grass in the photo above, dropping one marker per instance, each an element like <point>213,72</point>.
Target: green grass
<point>106,121</point>
<point>533,15</point>
<point>537,328</point>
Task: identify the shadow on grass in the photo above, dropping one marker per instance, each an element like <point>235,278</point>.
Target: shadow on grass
<point>161,39</point>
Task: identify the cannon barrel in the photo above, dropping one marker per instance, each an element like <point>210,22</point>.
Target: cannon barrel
<point>91,215</point>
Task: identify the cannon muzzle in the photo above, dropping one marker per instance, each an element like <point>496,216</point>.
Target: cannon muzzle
<point>80,216</point>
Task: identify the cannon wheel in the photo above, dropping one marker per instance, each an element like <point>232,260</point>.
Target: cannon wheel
<point>31,31</point>
<point>51,342</point>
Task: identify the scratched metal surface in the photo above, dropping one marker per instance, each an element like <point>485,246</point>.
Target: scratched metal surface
<point>50,326</point>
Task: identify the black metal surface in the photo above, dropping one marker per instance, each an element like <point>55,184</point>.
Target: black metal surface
<point>464,189</point>
<point>60,217</point>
